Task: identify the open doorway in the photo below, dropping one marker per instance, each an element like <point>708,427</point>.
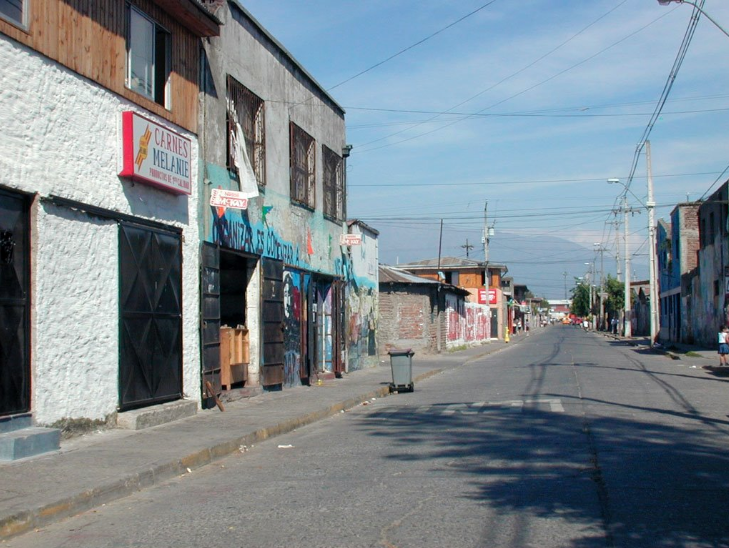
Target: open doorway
<point>236,271</point>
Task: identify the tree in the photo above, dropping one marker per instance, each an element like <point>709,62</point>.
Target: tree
<point>615,301</point>
<point>580,298</point>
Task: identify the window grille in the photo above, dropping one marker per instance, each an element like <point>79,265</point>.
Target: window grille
<point>248,111</point>
<point>302,165</point>
<point>333,184</point>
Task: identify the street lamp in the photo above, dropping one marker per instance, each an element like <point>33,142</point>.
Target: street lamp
<point>717,25</point>
<point>626,306</point>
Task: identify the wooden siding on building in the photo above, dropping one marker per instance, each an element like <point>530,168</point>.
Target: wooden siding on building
<point>89,37</point>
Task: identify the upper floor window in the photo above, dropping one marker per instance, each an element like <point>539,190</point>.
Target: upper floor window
<point>246,115</point>
<point>14,11</point>
<point>148,57</point>
<point>302,166</point>
<point>333,184</point>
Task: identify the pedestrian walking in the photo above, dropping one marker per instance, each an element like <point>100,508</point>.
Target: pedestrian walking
<point>723,345</point>
<point>614,325</point>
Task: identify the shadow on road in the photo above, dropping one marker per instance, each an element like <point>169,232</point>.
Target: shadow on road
<point>624,482</point>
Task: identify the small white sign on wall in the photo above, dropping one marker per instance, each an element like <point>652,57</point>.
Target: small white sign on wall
<point>350,239</point>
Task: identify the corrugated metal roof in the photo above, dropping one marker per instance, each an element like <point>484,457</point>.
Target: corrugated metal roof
<point>389,274</point>
<point>392,275</point>
<point>449,263</point>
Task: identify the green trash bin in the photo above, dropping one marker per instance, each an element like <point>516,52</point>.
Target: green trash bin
<point>401,362</point>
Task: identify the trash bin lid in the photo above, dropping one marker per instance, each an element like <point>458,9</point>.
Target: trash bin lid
<point>401,352</point>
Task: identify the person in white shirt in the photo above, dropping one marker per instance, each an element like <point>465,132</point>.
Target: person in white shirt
<point>723,346</point>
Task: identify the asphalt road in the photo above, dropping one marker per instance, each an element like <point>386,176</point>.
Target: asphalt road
<point>568,439</point>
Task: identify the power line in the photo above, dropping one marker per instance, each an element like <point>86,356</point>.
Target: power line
<point>412,46</point>
<point>360,151</point>
<point>528,182</point>
<point>512,75</point>
<point>677,63</point>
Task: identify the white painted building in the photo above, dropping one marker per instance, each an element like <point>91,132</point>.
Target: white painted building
<point>101,271</point>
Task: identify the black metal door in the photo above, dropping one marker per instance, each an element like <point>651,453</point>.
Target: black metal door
<point>210,314</point>
<point>14,309</point>
<point>150,268</point>
<point>272,308</point>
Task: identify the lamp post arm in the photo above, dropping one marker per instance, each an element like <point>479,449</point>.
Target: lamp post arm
<point>716,24</point>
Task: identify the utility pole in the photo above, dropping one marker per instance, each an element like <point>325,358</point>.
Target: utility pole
<point>628,210</point>
<point>468,247</point>
<point>600,249</point>
<point>486,250</point>
<point>565,284</point>
<point>618,273</point>
<point>650,205</point>
<point>627,331</point>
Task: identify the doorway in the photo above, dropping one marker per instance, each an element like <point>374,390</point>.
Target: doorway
<point>150,301</point>
<point>14,304</point>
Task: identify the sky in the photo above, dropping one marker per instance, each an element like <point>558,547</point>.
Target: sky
<point>516,113</point>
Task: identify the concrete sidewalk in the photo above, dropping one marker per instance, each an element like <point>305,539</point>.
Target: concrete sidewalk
<point>676,351</point>
<point>93,469</point>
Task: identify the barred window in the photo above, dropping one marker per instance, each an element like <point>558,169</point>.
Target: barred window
<point>333,184</point>
<point>246,110</point>
<point>302,165</point>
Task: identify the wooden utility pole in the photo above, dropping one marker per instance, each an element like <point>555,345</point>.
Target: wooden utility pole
<point>468,247</point>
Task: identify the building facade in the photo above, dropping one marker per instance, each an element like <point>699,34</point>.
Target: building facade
<point>362,291</point>
<point>425,315</point>
<point>706,287</point>
<point>99,206</point>
<point>677,244</point>
<point>273,263</point>
<point>470,276</point>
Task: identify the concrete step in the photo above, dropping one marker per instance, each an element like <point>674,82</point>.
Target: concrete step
<point>15,422</point>
<point>28,442</point>
<point>138,419</point>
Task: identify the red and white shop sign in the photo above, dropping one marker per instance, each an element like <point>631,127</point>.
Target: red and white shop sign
<point>154,155</point>
<point>485,297</point>
<point>493,299</point>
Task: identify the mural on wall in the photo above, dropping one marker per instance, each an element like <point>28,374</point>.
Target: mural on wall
<point>233,229</point>
<point>325,300</point>
<point>361,328</point>
<point>236,232</point>
<point>292,288</point>
<point>466,323</point>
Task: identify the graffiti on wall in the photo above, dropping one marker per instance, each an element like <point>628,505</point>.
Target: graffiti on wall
<point>292,327</point>
<point>361,328</point>
<point>260,239</point>
<point>325,300</point>
<point>466,323</point>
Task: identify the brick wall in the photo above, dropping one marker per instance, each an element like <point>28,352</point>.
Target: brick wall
<point>407,319</point>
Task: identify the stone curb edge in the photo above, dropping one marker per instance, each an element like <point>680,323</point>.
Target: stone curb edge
<point>26,520</point>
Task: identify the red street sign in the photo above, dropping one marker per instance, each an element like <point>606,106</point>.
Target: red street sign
<point>228,198</point>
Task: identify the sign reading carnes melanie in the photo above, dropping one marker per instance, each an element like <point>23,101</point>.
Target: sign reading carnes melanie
<point>154,155</point>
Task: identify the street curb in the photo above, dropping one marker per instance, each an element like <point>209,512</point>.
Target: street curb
<point>25,521</point>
